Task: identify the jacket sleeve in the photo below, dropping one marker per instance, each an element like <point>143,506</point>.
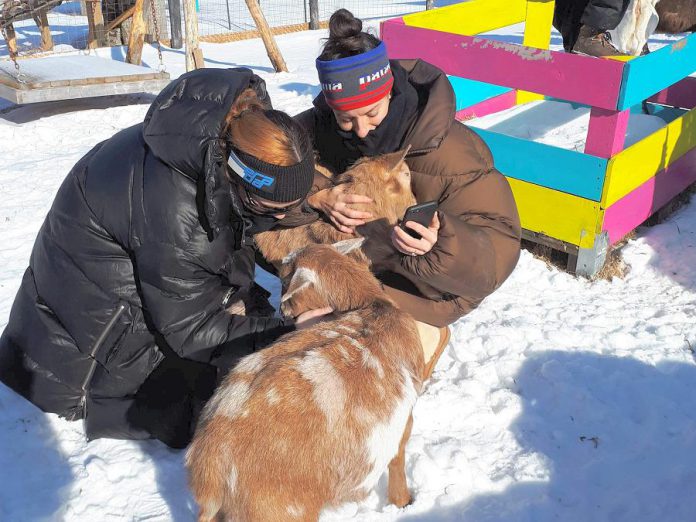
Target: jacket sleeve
<point>478,242</point>
<point>186,299</point>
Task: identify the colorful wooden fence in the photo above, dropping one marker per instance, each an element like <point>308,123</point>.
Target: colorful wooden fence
<point>579,202</point>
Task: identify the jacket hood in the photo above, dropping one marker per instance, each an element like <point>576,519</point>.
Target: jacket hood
<point>436,102</point>
<point>184,129</point>
<point>190,112</point>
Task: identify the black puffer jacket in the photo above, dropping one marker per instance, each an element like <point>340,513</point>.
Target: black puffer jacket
<point>141,248</point>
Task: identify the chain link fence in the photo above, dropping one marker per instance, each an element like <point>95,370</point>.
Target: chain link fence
<point>218,20</point>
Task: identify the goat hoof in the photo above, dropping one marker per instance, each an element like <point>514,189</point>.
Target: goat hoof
<point>400,500</point>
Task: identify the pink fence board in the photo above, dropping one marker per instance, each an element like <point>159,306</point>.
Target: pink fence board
<point>681,94</point>
<point>551,73</point>
<point>489,106</point>
<point>607,132</point>
<point>634,208</point>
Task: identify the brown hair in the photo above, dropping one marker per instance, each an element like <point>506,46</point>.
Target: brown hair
<point>269,135</point>
<point>346,37</point>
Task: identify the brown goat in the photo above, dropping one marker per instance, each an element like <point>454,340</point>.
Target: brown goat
<point>313,420</point>
<point>676,16</point>
<point>386,179</point>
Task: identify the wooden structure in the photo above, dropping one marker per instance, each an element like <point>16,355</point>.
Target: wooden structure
<point>59,77</point>
<point>580,203</point>
<point>68,77</point>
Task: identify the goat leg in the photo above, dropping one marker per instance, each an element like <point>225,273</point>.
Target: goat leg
<point>398,489</point>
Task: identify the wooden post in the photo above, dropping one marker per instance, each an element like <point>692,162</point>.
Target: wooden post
<point>11,39</point>
<point>41,20</point>
<point>267,36</point>
<point>150,36</point>
<point>96,36</point>
<point>137,35</point>
<point>606,132</point>
<point>175,23</point>
<point>194,55</point>
<point>314,14</point>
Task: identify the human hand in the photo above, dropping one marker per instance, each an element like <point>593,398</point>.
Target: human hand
<point>311,317</point>
<point>409,245</point>
<point>335,204</point>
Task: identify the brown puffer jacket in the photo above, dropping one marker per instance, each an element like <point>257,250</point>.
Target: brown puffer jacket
<point>479,240</point>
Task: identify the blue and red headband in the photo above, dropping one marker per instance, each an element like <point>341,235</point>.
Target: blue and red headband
<point>356,81</point>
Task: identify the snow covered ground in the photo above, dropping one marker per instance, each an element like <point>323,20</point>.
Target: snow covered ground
<point>558,399</point>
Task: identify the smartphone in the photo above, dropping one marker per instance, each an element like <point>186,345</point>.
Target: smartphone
<point>421,213</point>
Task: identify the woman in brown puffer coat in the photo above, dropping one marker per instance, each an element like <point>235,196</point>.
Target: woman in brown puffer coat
<point>370,105</point>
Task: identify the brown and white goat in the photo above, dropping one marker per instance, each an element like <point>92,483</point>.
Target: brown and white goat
<point>386,179</point>
<point>315,419</point>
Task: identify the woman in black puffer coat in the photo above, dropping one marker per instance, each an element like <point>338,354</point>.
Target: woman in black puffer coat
<point>121,317</point>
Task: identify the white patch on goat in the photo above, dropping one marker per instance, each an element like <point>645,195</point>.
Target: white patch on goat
<point>231,399</point>
<point>232,479</point>
<point>344,353</point>
<point>251,364</point>
<point>291,256</point>
<point>329,390</point>
<point>331,334</point>
<point>295,511</point>
<point>371,361</point>
<point>349,330</point>
<point>383,443</point>
<point>348,245</point>
<point>272,396</point>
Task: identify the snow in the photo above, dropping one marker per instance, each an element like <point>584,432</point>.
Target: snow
<point>557,399</point>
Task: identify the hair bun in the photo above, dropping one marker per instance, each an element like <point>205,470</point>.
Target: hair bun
<point>343,24</point>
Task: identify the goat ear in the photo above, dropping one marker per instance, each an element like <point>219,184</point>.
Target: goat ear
<point>348,245</point>
<point>395,158</point>
<point>301,279</point>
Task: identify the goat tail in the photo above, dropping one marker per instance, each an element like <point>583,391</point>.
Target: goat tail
<point>208,479</point>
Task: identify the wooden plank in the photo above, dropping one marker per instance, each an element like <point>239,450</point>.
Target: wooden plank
<point>634,208</point>
<point>537,33</point>
<point>558,169</point>
<point>125,15</point>
<point>488,106</point>
<point>550,73</point>
<point>471,92</point>
<point>638,163</point>
<point>649,74</point>
<point>557,215</point>
<point>606,133</point>
<point>70,92</point>
<point>472,17</point>
<point>538,22</point>
<point>681,94</point>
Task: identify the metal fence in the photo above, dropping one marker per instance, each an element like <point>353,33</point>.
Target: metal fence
<point>218,20</point>
<point>229,17</point>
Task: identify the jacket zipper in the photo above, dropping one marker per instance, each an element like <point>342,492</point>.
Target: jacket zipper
<point>82,406</point>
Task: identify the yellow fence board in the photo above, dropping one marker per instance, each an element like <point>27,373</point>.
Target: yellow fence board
<point>470,18</point>
<point>557,214</point>
<point>638,163</point>
<point>537,29</point>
